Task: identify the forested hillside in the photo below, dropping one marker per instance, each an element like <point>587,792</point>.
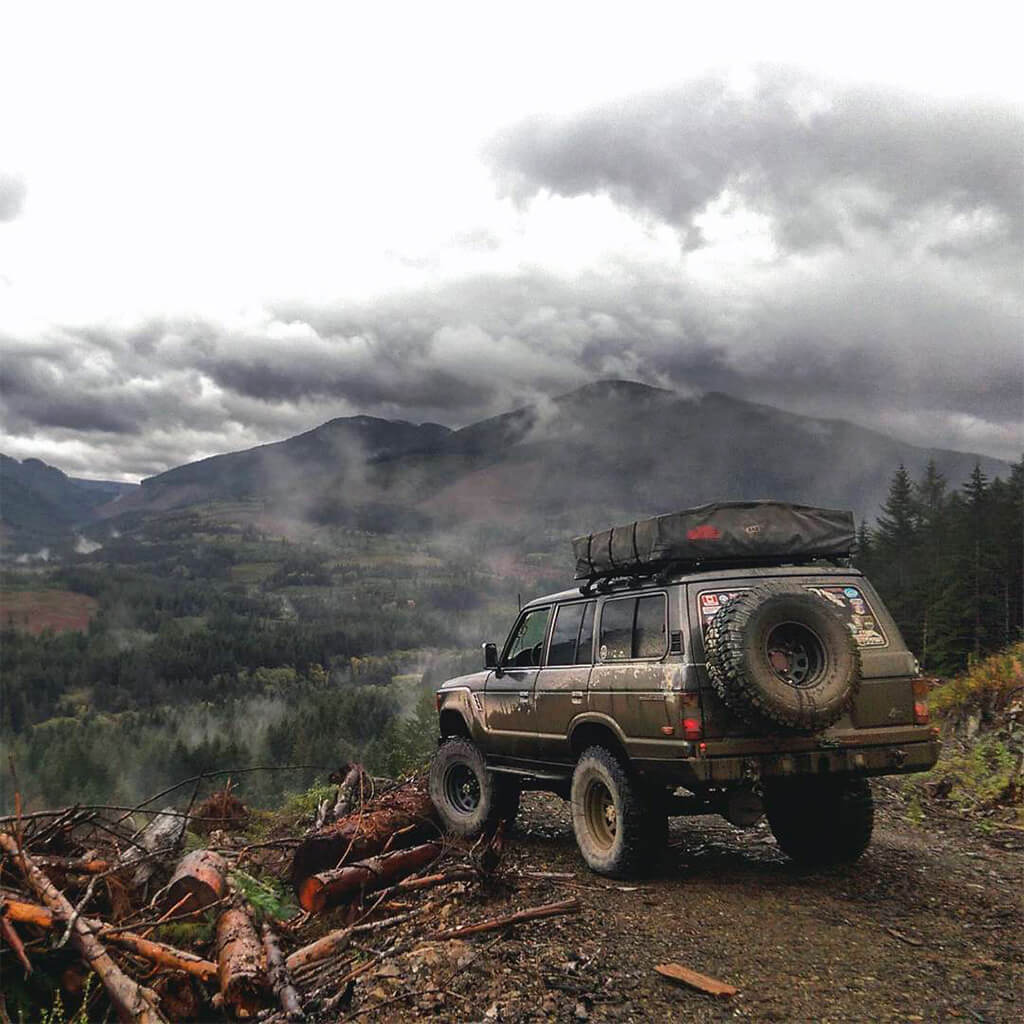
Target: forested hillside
<point>214,642</point>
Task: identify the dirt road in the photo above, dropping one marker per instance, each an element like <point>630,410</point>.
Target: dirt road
<point>927,926</point>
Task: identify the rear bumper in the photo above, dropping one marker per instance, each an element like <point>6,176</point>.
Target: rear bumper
<point>894,758</point>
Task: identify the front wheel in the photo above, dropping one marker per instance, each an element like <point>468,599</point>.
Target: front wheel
<point>611,818</point>
<point>469,798</point>
<point>818,821</point>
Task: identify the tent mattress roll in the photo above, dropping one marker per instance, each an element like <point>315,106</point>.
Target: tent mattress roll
<point>731,531</point>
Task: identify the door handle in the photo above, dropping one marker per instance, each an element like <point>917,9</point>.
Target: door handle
<point>524,700</point>
<point>577,696</point>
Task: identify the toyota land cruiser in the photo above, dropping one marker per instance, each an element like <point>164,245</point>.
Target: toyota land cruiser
<point>763,682</point>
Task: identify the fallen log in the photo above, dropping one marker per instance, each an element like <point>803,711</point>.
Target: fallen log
<point>240,963</point>
<point>87,865</point>
<point>280,980</point>
<point>337,941</point>
<point>329,888</point>
<point>427,882</point>
<point>354,787</point>
<point>201,878</point>
<point>164,831</point>
<point>26,913</point>
<point>132,1001</point>
<point>161,954</point>
<point>366,832</point>
<point>701,982</point>
<point>532,914</point>
<point>156,952</point>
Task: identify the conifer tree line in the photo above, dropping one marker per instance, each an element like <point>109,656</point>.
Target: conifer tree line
<point>949,563</point>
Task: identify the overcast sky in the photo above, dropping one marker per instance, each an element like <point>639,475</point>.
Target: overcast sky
<point>223,224</point>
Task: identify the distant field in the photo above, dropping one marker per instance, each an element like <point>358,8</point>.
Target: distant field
<point>35,610</point>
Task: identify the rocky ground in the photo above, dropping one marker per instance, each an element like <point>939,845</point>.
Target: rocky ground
<point>926,927</point>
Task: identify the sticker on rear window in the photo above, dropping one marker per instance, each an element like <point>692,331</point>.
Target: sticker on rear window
<point>860,619</point>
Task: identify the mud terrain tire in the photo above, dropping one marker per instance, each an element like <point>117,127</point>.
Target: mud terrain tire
<point>818,822</point>
<point>781,654</point>
<point>470,799</point>
<point>616,831</point>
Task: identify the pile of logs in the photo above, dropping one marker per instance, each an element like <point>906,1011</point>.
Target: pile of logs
<point>89,880</point>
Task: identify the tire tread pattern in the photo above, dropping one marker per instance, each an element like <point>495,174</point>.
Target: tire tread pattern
<point>634,819</point>
<point>725,650</point>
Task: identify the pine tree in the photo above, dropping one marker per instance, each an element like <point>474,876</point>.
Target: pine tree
<point>931,512</point>
<point>893,554</point>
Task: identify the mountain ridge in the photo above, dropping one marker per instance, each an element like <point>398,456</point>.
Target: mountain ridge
<point>574,462</point>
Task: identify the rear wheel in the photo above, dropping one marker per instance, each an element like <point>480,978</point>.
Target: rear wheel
<point>470,799</point>
<point>619,830</point>
<point>821,821</point>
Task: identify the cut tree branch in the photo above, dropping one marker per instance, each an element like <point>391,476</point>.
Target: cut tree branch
<point>132,1001</point>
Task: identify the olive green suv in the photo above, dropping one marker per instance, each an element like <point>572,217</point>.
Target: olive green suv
<point>743,690</point>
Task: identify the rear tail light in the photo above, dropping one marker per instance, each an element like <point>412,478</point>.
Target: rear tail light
<point>692,723</point>
<point>438,697</point>
<point>921,713</point>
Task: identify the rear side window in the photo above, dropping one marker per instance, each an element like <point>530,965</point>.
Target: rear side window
<point>572,636</point>
<point>633,627</point>
<point>565,634</point>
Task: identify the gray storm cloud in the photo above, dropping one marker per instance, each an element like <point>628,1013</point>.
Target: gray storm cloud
<point>892,296</point>
<point>817,159</point>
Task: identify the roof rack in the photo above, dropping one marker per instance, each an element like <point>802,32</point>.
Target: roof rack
<point>662,574</point>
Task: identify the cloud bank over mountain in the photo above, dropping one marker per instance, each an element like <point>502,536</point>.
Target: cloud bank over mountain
<point>833,249</point>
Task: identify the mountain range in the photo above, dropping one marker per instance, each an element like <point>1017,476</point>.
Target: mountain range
<point>609,451</point>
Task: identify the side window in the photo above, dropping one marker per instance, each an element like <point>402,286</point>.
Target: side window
<point>524,646</point>
<point>566,630</point>
<point>617,629</point>
<point>649,634</point>
<point>585,648</point>
<point>633,627</point>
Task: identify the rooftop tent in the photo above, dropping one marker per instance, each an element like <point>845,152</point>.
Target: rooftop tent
<point>731,531</point>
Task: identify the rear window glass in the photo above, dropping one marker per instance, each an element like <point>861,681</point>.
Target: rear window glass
<point>633,627</point>
<point>649,634</point>
<point>847,598</point>
<point>617,629</point>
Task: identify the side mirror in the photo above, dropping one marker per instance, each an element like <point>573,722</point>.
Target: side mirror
<point>490,655</point>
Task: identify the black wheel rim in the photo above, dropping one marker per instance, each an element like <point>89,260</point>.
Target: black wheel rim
<point>795,654</point>
<point>462,788</point>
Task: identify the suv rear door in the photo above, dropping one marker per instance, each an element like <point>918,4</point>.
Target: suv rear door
<point>630,684</point>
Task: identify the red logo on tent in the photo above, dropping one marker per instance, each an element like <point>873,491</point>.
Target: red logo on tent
<point>704,533</point>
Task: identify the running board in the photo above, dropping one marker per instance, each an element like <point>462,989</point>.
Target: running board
<point>532,773</point>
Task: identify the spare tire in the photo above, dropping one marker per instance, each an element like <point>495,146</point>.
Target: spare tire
<point>783,654</point>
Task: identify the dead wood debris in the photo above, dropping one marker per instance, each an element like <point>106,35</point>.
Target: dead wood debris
<point>693,979</point>
<point>188,937</point>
